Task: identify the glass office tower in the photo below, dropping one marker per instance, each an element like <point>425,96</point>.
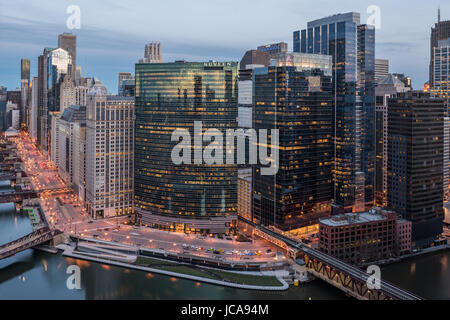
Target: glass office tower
<point>294,95</point>
<point>191,198</point>
<point>352,47</point>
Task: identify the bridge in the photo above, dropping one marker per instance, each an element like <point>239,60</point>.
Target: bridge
<point>18,196</point>
<point>7,176</point>
<point>35,238</point>
<point>342,275</point>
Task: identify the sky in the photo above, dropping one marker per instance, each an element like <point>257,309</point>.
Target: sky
<point>113,33</point>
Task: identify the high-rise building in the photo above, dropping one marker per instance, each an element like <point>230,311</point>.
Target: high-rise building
<point>152,53</point>
<point>68,42</point>
<point>254,57</point>
<point>407,81</point>
<point>440,31</point>
<point>352,47</point>
<point>244,203</point>
<point>274,49</point>
<point>128,88</point>
<point>381,69</point>
<point>196,97</point>
<point>109,154</point>
<point>295,96</point>
<point>72,94</point>
<point>446,163</point>
<point>79,160</point>
<point>59,65</point>
<point>385,89</point>
<point>25,69</point>
<point>3,101</point>
<point>42,99</point>
<point>123,76</point>
<point>415,162</point>
<point>66,141</point>
<point>26,91</point>
<point>12,115</point>
<point>33,123</point>
<point>441,74</point>
<point>262,55</point>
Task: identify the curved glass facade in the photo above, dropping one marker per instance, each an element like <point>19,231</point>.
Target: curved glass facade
<point>172,96</point>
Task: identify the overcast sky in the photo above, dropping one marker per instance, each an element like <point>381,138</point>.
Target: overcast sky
<point>113,32</point>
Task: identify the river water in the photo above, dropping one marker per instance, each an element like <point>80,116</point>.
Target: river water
<point>36,275</point>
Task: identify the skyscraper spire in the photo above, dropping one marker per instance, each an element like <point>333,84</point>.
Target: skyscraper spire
<point>439,14</point>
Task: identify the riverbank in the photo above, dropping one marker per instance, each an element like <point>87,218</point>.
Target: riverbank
<point>241,280</point>
<point>423,252</point>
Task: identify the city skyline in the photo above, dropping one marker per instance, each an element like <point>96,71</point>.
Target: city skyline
<point>224,41</point>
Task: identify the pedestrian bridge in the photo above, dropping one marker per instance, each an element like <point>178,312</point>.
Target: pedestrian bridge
<point>33,239</point>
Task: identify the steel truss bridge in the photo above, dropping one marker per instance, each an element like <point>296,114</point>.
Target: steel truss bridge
<point>33,239</point>
<point>346,277</point>
<point>19,196</point>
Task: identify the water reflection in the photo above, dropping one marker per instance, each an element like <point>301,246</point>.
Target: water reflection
<point>37,275</point>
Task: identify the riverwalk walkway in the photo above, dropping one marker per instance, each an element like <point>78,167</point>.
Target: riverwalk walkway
<point>69,252</point>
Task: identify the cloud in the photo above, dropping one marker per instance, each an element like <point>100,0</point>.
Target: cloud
<point>113,33</point>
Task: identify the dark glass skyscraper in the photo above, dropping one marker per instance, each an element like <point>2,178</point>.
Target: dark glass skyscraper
<point>352,47</point>
<point>415,162</point>
<point>25,69</point>
<point>196,198</point>
<point>440,31</point>
<point>68,42</point>
<point>295,97</point>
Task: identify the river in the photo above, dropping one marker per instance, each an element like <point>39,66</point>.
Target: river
<point>37,275</point>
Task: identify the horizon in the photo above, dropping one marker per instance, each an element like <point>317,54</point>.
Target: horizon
<point>114,42</point>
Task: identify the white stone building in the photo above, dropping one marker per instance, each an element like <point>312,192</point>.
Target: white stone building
<point>109,154</point>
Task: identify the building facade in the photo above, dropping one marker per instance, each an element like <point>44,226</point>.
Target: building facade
<point>25,89</point>
<point>274,49</point>
<point>294,95</point>
<point>68,42</point>
<point>66,140</point>
<point>440,31</point>
<point>415,162</point>
<point>441,74</point>
<point>123,76</point>
<point>191,198</point>
<point>381,69</point>
<point>109,154</point>
<point>359,238</point>
<point>244,207</point>
<point>385,89</point>
<point>352,47</point>
<point>152,53</point>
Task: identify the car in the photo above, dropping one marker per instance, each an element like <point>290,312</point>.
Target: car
<point>228,253</point>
